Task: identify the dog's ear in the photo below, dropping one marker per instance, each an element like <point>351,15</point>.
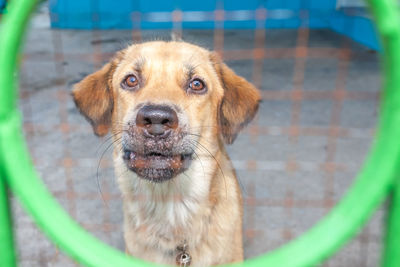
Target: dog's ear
<point>239,103</point>
<point>94,97</point>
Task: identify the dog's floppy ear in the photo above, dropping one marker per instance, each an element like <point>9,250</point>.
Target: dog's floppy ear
<point>239,103</point>
<point>94,97</point>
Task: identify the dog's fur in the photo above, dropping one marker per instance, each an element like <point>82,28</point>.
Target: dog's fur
<point>202,205</point>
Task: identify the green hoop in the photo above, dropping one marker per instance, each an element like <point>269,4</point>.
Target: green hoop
<point>373,184</point>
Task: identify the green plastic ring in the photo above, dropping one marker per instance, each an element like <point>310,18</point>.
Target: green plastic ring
<point>372,185</point>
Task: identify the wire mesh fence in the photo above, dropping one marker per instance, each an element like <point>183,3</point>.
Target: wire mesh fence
<point>296,159</point>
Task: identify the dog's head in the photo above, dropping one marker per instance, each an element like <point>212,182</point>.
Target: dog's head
<point>165,102</point>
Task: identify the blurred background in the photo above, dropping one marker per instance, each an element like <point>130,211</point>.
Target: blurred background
<point>316,63</point>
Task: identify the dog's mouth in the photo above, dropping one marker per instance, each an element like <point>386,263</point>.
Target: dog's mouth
<point>156,166</point>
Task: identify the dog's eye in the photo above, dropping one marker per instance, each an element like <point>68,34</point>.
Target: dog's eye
<point>130,81</point>
<point>197,86</point>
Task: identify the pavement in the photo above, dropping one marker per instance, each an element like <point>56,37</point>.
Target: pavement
<point>295,160</point>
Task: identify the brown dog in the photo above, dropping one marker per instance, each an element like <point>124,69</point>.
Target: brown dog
<point>171,106</point>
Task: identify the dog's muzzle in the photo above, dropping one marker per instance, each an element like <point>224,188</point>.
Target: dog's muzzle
<point>152,146</point>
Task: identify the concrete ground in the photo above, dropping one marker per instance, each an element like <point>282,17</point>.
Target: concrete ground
<point>295,160</point>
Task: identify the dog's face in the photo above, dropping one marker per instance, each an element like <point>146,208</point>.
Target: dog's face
<point>165,103</point>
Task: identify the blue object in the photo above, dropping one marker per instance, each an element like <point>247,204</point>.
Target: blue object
<point>357,25</point>
<point>2,6</point>
<point>144,14</point>
<point>237,14</point>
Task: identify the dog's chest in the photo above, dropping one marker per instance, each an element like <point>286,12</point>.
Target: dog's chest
<point>163,227</point>
<point>165,216</point>
<point>168,212</point>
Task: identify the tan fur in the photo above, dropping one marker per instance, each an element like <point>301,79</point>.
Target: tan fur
<point>203,205</point>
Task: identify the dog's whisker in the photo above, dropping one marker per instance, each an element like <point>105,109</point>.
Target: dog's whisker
<point>198,157</point>
<point>238,178</point>
<point>104,142</point>
<point>185,107</point>
<point>98,168</point>
<point>216,161</point>
<point>198,135</point>
<point>202,126</point>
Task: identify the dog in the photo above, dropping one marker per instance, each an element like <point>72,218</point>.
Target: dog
<point>171,107</point>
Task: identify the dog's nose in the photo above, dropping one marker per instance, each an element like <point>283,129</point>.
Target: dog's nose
<point>157,120</point>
